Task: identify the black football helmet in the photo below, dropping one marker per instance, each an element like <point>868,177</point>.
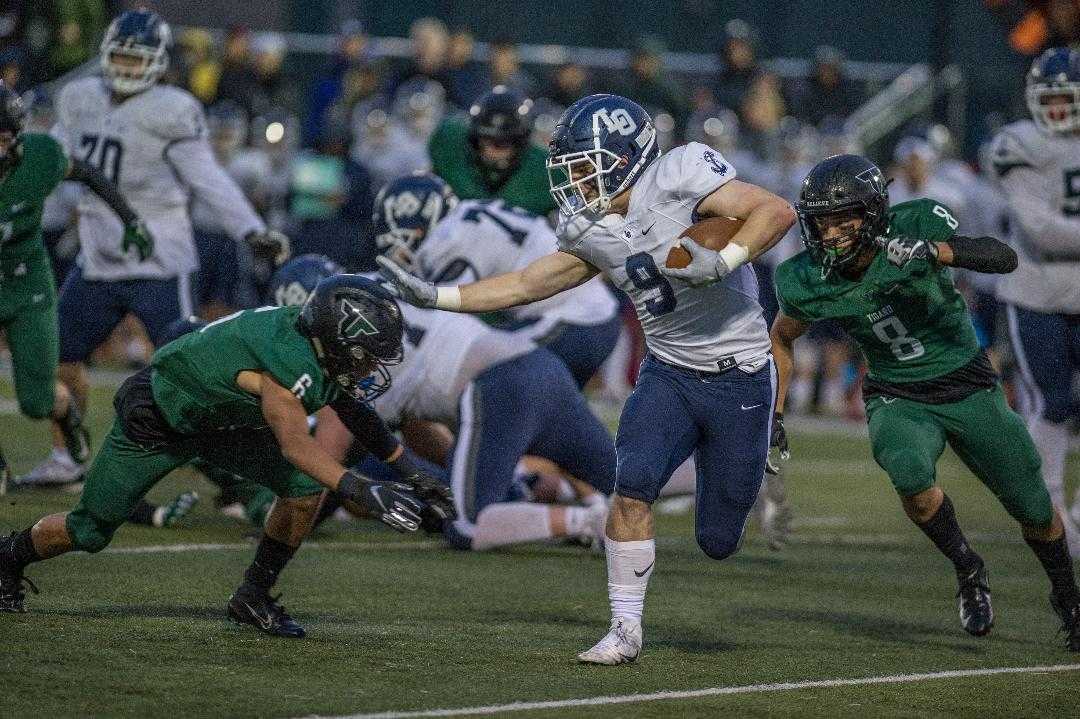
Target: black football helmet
<point>12,120</point>
<point>837,184</point>
<point>355,326</point>
<point>503,115</point>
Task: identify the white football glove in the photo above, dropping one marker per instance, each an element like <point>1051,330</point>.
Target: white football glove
<point>412,289</point>
<point>706,266</point>
<point>901,250</point>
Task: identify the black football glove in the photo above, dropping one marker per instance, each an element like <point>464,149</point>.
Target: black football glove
<point>902,250</point>
<point>435,494</point>
<point>778,445</point>
<point>269,245</point>
<point>392,503</point>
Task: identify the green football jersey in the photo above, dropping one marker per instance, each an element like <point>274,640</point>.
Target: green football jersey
<point>194,378</point>
<point>910,322</point>
<point>43,164</point>
<point>451,159</point>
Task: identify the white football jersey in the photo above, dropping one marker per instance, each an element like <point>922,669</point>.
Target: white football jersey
<point>483,238</point>
<point>1039,174</point>
<point>708,328</point>
<point>444,352</point>
<point>154,147</point>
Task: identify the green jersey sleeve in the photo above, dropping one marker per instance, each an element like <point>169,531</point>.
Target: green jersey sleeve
<point>924,219</point>
<point>793,290</point>
<point>46,164</point>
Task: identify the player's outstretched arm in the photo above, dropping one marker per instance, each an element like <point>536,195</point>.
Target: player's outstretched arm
<point>979,254</point>
<point>785,330</point>
<point>542,278</point>
<point>135,232</point>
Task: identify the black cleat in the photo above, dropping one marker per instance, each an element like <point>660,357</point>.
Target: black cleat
<point>1069,613</point>
<point>973,599</point>
<point>13,592</point>
<point>259,609</point>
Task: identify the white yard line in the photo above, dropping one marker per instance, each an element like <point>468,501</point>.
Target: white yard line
<point>709,692</point>
<point>248,546</point>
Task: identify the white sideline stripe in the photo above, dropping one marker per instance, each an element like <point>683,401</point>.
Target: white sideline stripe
<point>236,546</point>
<point>710,692</point>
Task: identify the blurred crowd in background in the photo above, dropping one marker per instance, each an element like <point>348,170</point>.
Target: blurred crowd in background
<point>311,153</point>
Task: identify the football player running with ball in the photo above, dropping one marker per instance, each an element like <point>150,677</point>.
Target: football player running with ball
<point>883,274</point>
<point>237,394</point>
<point>31,166</point>
<point>707,385</point>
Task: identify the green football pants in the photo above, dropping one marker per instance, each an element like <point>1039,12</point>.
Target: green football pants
<point>28,317</point>
<point>908,438</point>
<point>124,471</point>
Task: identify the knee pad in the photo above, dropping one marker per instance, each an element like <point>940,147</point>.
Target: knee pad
<point>1030,504</point>
<point>718,544</point>
<point>35,408</point>
<point>908,471</point>
<point>87,533</point>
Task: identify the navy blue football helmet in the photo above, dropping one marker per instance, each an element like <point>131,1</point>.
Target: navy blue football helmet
<point>142,38</point>
<point>296,279</point>
<point>355,325</point>
<point>1053,91</point>
<point>405,212</point>
<point>179,328</point>
<point>599,148</point>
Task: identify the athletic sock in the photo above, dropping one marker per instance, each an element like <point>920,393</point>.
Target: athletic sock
<point>1057,563</point>
<point>498,525</point>
<point>18,553</point>
<point>143,513</point>
<point>270,558</point>
<point>1052,441</point>
<point>944,531</point>
<point>629,565</point>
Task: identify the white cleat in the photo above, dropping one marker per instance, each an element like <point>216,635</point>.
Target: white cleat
<point>54,471</point>
<point>622,644</point>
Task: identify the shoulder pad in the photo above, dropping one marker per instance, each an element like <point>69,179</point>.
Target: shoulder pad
<point>570,231</point>
<point>692,171</point>
<point>171,113</point>
<point>76,94</point>
<point>1019,144</point>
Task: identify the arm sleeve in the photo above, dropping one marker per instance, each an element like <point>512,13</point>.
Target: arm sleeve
<point>366,426</point>
<point>92,177</point>
<point>982,254</point>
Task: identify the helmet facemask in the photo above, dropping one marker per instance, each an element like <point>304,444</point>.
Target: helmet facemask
<point>841,250</point>
<point>1055,106</point>
<point>577,180</point>
<point>142,67</point>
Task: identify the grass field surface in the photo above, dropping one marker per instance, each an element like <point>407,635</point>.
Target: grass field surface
<point>399,624</point>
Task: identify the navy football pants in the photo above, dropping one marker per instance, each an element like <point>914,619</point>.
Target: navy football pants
<point>723,419</point>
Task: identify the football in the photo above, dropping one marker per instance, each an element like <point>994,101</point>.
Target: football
<point>712,232</point>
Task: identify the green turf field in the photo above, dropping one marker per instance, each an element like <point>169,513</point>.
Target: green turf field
<point>398,624</point>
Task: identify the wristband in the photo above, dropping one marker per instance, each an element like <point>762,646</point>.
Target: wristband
<point>349,486</point>
<point>404,466</point>
<point>734,255</point>
<point>448,298</point>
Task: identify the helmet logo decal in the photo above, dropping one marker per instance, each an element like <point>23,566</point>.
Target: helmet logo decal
<point>353,323</point>
<point>618,120</point>
<point>873,178</point>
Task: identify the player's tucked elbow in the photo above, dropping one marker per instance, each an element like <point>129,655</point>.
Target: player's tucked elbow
<point>782,214</point>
